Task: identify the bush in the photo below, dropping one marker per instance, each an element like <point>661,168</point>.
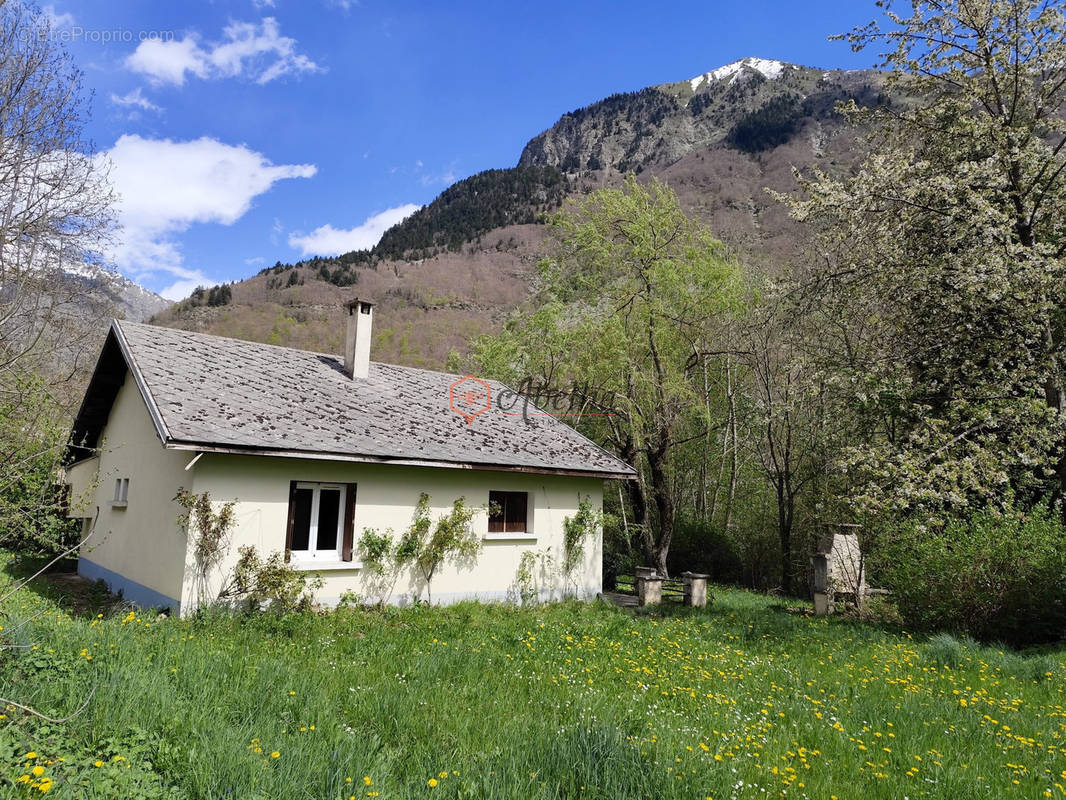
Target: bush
<point>995,575</point>
<point>269,583</point>
<point>33,435</point>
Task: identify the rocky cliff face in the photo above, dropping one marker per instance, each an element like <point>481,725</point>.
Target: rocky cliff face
<point>660,125</point>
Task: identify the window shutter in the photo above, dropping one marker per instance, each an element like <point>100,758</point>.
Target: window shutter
<point>348,541</point>
<point>516,512</point>
<point>292,519</point>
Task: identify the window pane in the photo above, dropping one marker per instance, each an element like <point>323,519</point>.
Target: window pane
<point>329,506</point>
<point>301,518</point>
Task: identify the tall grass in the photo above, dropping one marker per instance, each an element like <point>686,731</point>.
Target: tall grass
<point>741,700</point>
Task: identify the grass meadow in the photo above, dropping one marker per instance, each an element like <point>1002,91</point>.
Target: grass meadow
<point>743,700</point>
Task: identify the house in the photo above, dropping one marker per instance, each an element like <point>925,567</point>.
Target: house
<point>313,449</point>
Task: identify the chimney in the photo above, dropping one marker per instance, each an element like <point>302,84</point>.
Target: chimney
<point>357,339</point>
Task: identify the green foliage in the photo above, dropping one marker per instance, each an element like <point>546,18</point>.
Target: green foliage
<point>220,295</point>
<point>269,583</point>
<point>33,435</point>
<point>768,127</point>
<point>993,574</point>
<point>381,560</point>
<point>944,650</point>
<point>425,545</point>
<point>942,271</point>
<point>585,524</point>
<point>210,529</point>
<point>452,537</point>
<point>534,576</point>
<point>485,201</point>
<point>63,765</point>
<point>412,541</point>
<point>629,302</point>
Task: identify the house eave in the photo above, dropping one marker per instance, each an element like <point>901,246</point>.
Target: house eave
<point>153,410</point>
<point>317,455</point>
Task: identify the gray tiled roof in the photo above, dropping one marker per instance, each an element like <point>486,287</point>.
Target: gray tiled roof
<point>229,393</point>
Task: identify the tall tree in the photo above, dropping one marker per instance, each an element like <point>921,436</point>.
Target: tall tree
<point>785,420</point>
<point>55,202</point>
<point>946,250</point>
<point>55,214</point>
<point>622,329</point>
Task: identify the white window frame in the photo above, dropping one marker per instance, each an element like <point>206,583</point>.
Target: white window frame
<point>313,553</point>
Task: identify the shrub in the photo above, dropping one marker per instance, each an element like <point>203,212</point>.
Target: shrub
<point>996,575</point>
<point>269,583</point>
<point>381,568</point>
<point>426,546</point>
<point>33,435</point>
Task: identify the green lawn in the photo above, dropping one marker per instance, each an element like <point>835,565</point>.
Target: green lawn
<point>743,700</point>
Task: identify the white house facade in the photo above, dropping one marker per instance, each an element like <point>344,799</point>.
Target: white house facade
<point>312,451</point>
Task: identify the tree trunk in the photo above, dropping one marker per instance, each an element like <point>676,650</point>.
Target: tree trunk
<point>784,534</point>
<point>662,497</point>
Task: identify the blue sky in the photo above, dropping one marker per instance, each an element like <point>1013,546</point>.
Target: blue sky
<point>246,132</point>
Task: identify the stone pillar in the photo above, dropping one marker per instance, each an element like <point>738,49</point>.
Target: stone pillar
<point>820,565</point>
<point>695,589</point>
<point>649,591</point>
<point>644,572</point>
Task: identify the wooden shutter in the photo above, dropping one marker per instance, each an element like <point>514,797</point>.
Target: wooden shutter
<point>515,517</point>
<point>348,540</point>
<point>292,520</point>
<point>511,514</point>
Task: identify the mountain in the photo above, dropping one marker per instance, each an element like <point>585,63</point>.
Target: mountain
<point>109,288</point>
<point>459,265</point>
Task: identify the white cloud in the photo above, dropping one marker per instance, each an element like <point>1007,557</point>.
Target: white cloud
<point>165,187</point>
<point>168,61</point>
<point>134,99</point>
<point>264,3</point>
<point>56,19</point>
<point>184,286</point>
<point>329,241</point>
<point>247,49</point>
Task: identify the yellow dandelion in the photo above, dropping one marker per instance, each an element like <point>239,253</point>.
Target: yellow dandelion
<point>275,754</point>
<point>432,782</point>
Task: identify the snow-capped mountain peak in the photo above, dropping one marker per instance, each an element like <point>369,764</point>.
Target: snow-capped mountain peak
<point>768,68</point>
